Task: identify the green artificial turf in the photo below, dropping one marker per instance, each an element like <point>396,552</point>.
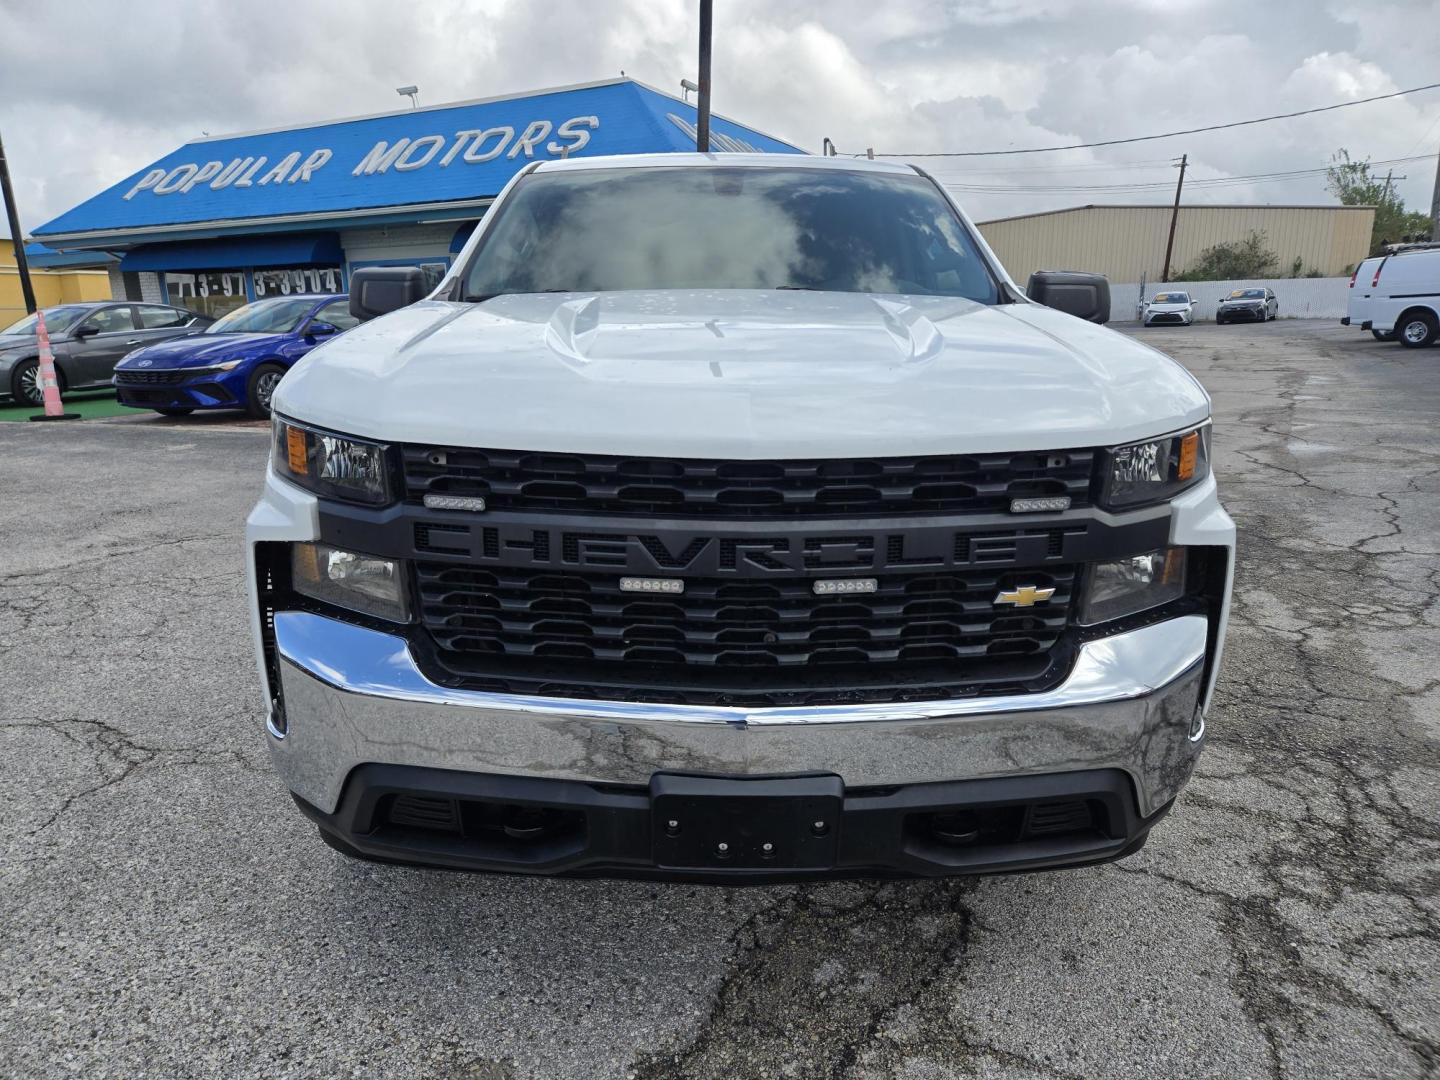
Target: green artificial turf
<point>88,405</point>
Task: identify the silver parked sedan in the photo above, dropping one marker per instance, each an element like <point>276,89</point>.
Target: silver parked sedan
<point>1174,308</point>
<point>88,340</point>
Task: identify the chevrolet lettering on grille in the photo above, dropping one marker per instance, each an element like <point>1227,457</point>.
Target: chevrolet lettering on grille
<point>677,552</point>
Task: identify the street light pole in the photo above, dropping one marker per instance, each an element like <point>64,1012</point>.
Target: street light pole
<point>17,238</point>
<point>702,104</point>
<point>1174,213</point>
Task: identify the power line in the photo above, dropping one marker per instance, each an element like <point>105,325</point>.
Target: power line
<point>1426,137</point>
<point>1161,185</point>
<point>1167,165</point>
<point>1079,166</point>
<point>1165,135</point>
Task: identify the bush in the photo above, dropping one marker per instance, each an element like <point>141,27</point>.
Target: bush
<point>1248,258</point>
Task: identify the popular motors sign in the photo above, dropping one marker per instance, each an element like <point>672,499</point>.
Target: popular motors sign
<point>471,146</point>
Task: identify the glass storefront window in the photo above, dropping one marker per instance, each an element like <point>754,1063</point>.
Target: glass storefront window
<point>219,292</point>
<point>286,281</point>
<point>212,293</point>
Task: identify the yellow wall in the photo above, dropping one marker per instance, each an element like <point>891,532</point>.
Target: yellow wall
<point>51,286</point>
<point>1126,242</point>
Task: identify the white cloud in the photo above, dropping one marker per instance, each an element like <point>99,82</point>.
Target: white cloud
<point>94,91</point>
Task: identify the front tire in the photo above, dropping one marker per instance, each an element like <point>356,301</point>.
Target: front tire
<point>260,388</point>
<point>25,383</point>
<point>1417,329</point>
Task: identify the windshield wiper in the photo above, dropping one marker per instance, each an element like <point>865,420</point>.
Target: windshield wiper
<point>480,298</point>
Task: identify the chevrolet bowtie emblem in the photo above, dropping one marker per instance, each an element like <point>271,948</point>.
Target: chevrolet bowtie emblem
<point>1025,596</point>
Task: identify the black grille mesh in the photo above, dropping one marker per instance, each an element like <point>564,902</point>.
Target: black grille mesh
<point>152,378</point>
<point>719,623</point>
<point>693,487</point>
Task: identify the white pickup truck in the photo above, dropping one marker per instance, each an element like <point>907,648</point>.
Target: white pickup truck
<point>736,518</point>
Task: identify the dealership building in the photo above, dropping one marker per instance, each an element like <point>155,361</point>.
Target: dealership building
<point>234,218</point>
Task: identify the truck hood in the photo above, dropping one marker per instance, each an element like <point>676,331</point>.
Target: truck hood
<point>740,374</point>
<point>200,350</point>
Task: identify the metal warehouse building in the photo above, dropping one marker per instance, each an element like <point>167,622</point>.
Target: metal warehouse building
<point>1127,243</point>
<point>225,220</point>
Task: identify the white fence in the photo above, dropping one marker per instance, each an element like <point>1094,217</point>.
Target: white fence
<point>1300,298</point>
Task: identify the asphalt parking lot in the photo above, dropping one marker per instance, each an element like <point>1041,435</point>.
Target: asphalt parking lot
<point>166,912</point>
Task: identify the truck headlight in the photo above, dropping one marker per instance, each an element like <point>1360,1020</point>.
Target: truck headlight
<point>1127,586</point>
<point>1154,470</point>
<point>334,465</point>
<point>364,583</point>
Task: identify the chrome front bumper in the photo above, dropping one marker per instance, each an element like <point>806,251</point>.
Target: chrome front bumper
<point>355,696</point>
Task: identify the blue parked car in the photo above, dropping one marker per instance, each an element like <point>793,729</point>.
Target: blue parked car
<point>236,362</point>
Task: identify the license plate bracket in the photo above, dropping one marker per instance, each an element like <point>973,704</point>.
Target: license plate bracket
<point>693,816</point>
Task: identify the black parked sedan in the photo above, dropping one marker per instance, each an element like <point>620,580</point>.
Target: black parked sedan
<point>1252,305</point>
<point>88,341</point>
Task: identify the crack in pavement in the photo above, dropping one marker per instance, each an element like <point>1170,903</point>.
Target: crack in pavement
<point>119,756</point>
<point>822,978</point>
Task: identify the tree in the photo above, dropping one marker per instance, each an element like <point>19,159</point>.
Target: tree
<point>1354,184</point>
<point>1248,258</point>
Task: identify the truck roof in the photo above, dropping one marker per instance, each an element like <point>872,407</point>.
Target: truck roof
<point>725,160</point>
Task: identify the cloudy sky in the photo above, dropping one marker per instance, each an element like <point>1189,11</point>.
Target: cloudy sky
<point>90,92</point>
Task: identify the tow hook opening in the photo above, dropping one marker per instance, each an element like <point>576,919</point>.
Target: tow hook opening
<point>979,827</point>
<point>509,827</point>
<point>959,829</point>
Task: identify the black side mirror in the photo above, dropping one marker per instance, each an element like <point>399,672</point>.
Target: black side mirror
<point>1086,296</point>
<point>321,329</point>
<point>80,333</point>
<point>379,290</point>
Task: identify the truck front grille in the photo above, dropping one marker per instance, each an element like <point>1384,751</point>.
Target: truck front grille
<point>919,635</point>
<point>702,488</point>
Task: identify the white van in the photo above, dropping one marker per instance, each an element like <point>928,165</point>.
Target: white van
<point>1398,296</point>
<point>1357,305</point>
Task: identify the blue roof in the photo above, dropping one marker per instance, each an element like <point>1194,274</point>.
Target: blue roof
<point>47,258</point>
<point>374,165</point>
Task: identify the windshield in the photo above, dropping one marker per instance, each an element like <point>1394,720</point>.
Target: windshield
<point>728,228</point>
<point>1171,298</point>
<point>1248,294</point>
<point>57,320</point>
<point>278,316</point>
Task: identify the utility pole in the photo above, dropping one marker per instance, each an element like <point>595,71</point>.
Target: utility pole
<point>1174,214</point>
<point>17,238</point>
<point>702,103</point>
<point>1384,200</point>
<point>1435,206</point>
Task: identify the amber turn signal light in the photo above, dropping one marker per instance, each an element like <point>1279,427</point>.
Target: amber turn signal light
<point>1189,455</point>
<point>298,459</point>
